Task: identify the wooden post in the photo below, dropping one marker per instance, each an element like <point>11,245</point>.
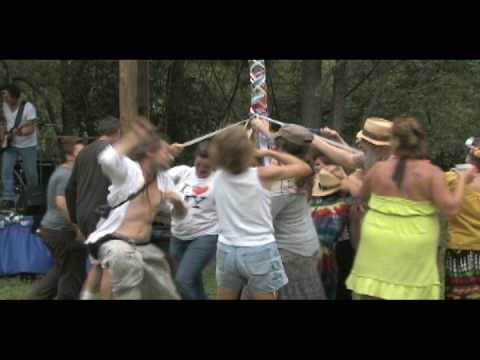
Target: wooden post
<point>128,92</point>
<point>134,90</point>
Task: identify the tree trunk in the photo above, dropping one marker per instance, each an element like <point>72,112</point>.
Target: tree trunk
<point>311,93</point>
<point>272,100</point>
<point>68,120</point>
<point>339,91</point>
<point>176,102</point>
<point>6,78</point>
<point>144,90</point>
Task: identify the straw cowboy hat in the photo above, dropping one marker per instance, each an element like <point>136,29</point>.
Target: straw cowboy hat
<point>327,182</point>
<point>376,131</point>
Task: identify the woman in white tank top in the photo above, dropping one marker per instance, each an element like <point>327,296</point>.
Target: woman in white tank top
<point>247,253</point>
<point>293,226</point>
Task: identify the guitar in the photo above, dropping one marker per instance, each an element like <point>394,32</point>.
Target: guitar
<point>8,137</point>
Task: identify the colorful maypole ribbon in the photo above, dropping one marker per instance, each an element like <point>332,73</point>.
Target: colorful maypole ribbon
<point>259,105</point>
<point>258,81</point>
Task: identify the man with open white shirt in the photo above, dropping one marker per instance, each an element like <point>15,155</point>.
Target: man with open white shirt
<point>24,142</point>
<point>136,269</point>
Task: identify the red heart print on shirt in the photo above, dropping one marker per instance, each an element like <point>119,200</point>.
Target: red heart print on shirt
<point>199,190</point>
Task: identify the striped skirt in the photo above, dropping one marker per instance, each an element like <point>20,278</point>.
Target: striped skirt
<point>462,275</point>
<point>304,282</point>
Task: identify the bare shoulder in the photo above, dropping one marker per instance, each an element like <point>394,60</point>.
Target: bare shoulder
<point>426,172</point>
<point>379,168</point>
<point>427,167</point>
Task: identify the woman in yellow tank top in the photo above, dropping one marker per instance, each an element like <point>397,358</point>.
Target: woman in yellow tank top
<point>462,259</point>
<point>397,254</point>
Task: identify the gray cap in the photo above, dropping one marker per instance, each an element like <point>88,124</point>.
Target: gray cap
<point>295,134</point>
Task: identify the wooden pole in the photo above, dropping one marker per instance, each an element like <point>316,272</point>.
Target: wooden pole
<point>128,92</point>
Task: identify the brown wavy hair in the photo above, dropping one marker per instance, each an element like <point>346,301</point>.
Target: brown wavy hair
<point>203,150</point>
<point>232,150</point>
<point>155,142</point>
<point>408,142</point>
<point>303,152</point>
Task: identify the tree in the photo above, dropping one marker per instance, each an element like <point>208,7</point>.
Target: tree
<point>176,100</point>
<point>311,94</point>
<point>339,92</point>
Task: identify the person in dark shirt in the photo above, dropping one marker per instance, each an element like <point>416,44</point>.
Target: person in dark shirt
<point>88,186</point>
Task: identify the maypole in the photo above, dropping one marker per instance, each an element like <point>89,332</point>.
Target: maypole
<point>259,104</point>
<point>259,115</point>
<point>258,81</point>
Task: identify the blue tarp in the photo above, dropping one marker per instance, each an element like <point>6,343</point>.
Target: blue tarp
<point>23,252</point>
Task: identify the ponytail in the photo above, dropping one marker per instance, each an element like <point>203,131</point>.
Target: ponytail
<point>399,173</point>
<point>408,143</point>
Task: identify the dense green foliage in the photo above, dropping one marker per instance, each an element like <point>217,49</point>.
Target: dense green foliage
<point>191,97</point>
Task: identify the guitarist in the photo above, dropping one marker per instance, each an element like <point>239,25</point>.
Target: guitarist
<point>21,140</point>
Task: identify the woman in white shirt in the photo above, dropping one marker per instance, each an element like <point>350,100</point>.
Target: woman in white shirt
<point>194,241</point>
<point>247,252</point>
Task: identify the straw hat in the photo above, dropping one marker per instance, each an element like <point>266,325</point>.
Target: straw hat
<point>376,131</point>
<point>326,183</point>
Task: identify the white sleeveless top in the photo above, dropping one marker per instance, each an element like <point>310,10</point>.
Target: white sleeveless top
<point>243,209</point>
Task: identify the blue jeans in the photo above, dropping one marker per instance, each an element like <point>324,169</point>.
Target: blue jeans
<point>29,165</point>
<point>191,258</point>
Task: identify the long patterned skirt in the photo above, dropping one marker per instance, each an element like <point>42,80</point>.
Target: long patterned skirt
<point>304,282</point>
<point>462,275</point>
<point>328,271</point>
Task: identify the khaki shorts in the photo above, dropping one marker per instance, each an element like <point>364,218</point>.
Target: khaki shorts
<point>138,272</point>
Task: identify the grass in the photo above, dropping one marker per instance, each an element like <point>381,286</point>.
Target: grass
<point>13,288</point>
<point>16,289</point>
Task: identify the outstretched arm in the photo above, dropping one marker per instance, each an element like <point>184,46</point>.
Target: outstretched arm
<point>291,168</point>
<point>113,159</point>
<point>179,210</point>
<point>447,201</point>
<point>336,155</point>
<point>353,184</point>
<point>172,199</point>
<point>140,132</point>
<point>333,134</point>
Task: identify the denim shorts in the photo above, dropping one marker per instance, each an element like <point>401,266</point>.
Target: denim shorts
<point>259,267</point>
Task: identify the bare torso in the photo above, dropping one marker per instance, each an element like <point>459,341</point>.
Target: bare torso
<point>137,224</point>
